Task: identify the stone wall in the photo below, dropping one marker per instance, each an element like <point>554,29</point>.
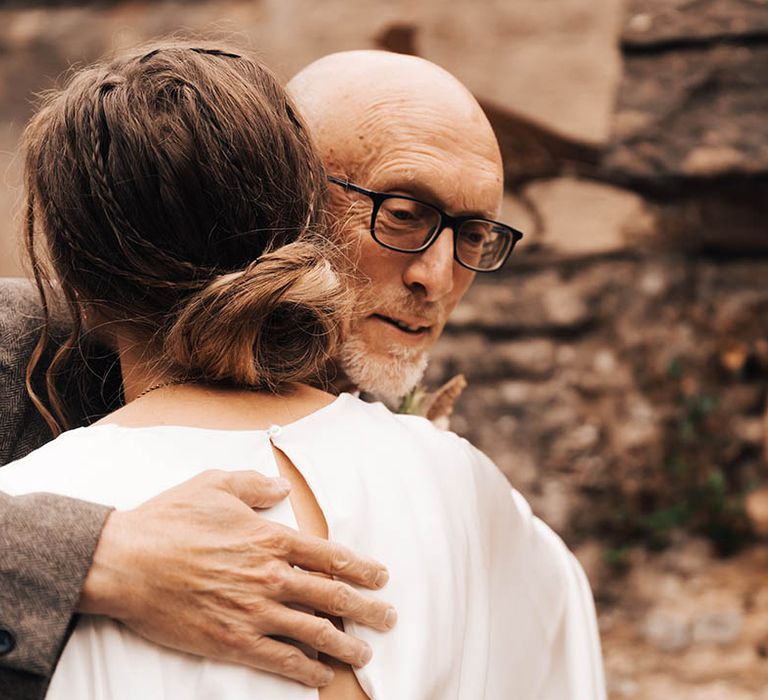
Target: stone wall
<point>617,367</point>
<point>555,63</point>
<point>623,393</point>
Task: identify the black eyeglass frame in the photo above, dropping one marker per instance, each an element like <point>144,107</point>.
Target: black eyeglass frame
<point>446,221</point>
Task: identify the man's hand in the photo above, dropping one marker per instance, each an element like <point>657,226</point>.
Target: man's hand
<point>196,569</point>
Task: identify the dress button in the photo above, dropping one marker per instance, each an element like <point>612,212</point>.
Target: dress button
<point>273,430</point>
<point>7,642</point>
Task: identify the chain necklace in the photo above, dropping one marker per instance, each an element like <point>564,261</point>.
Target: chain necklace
<point>160,385</point>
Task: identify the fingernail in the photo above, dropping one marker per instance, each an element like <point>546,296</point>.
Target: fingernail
<point>283,484</point>
<point>390,618</point>
<point>381,579</point>
<point>366,655</point>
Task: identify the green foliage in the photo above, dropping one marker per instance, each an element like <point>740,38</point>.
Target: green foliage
<point>617,557</point>
<point>697,487</point>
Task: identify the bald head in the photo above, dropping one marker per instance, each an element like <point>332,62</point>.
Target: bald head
<point>365,105</point>
<point>400,125</point>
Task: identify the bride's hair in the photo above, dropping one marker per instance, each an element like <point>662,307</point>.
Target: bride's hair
<point>176,193</point>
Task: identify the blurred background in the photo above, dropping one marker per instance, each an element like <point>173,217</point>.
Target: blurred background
<point>617,367</point>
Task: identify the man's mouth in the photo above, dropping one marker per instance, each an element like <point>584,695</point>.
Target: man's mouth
<point>412,328</point>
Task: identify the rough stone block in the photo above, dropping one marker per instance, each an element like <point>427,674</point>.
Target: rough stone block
<point>692,114</point>
<point>661,22</point>
<point>582,217</point>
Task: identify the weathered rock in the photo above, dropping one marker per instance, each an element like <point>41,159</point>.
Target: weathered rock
<point>688,557</point>
<point>10,166</point>
<point>488,305</point>
<point>727,219</point>
<point>721,626</point>
<point>520,215</point>
<point>530,358</point>
<point>577,440</point>
<point>742,399</point>
<point>533,358</point>
<point>640,428</point>
<point>756,505</point>
<point>749,431</point>
<point>591,556</point>
<point>611,217</point>
<point>459,356</point>
<point>520,467</point>
<point>530,150</point>
<point>605,374</point>
<point>689,127</point>
<point>553,504</point>
<point>667,629</point>
<point>666,687</point>
<point>515,393</point>
<point>654,281</point>
<point>569,44</point>
<point>622,687</point>
<point>534,303</point>
<point>654,23</point>
<point>564,307</point>
<point>693,114</point>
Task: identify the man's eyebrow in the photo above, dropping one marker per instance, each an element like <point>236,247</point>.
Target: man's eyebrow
<point>428,195</point>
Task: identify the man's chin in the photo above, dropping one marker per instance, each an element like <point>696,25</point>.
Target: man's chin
<point>385,377</point>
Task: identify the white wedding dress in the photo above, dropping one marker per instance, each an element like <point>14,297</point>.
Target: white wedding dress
<point>490,602</point>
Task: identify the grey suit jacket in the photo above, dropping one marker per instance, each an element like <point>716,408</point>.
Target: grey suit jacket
<point>46,541</point>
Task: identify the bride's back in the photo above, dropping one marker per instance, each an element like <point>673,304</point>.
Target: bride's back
<point>175,197</point>
<point>471,572</point>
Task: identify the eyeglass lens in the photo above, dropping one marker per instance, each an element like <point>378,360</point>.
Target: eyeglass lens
<point>407,226</point>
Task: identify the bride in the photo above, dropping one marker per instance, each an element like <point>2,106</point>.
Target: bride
<point>175,199</point>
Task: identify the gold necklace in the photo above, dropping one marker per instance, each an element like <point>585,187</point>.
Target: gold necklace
<point>160,385</point>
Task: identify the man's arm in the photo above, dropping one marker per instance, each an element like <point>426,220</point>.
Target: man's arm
<point>194,569</point>
<point>46,546</point>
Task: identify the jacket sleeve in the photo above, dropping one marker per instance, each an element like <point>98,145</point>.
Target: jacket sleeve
<point>46,548</point>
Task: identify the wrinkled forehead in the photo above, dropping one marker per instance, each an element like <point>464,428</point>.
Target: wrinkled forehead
<point>393,122</point>
<point>446,154</point>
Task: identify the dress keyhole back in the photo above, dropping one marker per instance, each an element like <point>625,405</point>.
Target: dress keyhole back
<point>310,520</point>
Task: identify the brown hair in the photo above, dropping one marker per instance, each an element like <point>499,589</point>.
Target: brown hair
<point>180,197</point>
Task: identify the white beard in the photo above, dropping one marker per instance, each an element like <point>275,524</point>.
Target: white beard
<point>387,377</point>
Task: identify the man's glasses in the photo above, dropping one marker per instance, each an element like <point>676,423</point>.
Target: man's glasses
<point>408,225</point>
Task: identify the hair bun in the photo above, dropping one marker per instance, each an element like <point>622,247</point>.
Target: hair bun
<point>276,321</point>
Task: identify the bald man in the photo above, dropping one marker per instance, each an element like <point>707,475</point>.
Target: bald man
<point>399,136</point>
<point>390,124</point>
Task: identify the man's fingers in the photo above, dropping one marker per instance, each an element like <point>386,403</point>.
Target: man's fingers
<point>287,661</point>
<point>316,554</point>
<point>320,634</point>
<point>253,488</point>
<point>338,599</point>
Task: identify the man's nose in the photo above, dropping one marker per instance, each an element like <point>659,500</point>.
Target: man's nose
<point>430,274</point>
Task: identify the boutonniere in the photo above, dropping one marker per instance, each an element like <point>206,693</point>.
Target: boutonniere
<point>436,406</point>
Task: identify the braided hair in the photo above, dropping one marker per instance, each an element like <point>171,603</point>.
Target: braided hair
<point>174,193</point>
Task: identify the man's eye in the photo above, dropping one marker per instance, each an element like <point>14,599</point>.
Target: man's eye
<point>476,237</point>
<point>402,214</point>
